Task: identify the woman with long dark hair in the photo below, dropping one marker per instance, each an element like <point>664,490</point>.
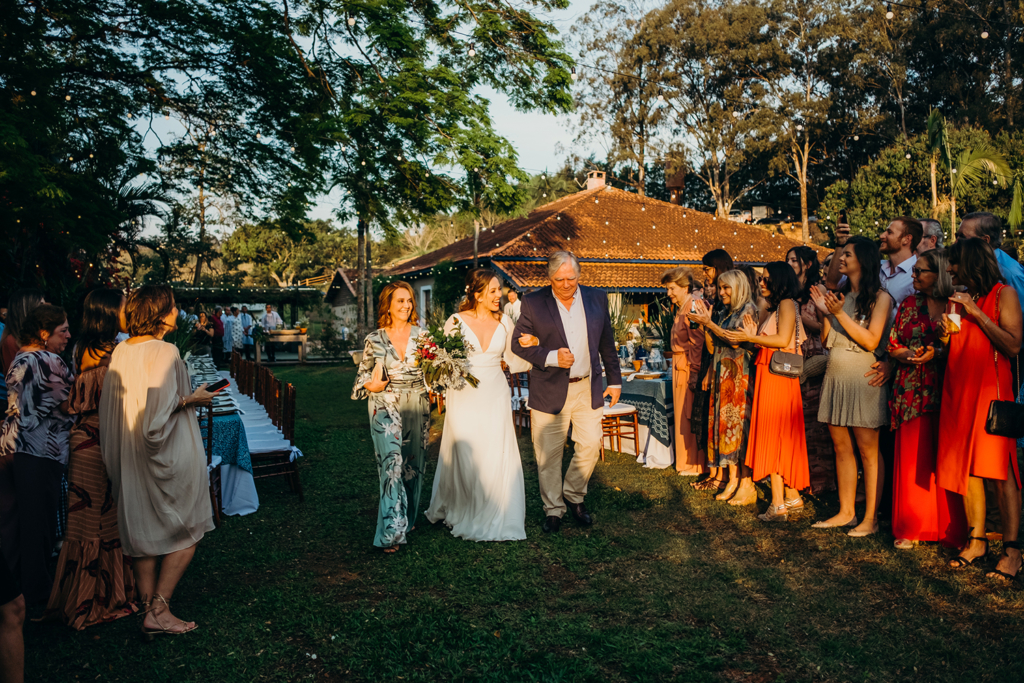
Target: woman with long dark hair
<point>984,324</point>
<point>713,264</point>
<point>857,322</point>
<point>94,577</point>
<point>399,412</point>
<point>777,447</point>
<point>479,491</point>
<point>821,456</point>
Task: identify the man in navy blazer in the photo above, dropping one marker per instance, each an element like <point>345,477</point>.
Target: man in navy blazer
<point>574,335</point>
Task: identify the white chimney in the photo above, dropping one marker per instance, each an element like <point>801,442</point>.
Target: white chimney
<point>595,179</point>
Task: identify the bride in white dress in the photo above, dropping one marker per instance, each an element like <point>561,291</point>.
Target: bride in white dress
<point>478,486</point>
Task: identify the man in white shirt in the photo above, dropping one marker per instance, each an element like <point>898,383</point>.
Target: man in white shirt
<point>226,319</point>
<point>513,306</point>
<point>574,335</point>
<point>270,322</point>
<point>899,242</point>
<point>244,323</point>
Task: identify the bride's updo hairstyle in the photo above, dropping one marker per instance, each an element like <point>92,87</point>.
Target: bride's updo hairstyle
<point>477,282</point>
<point>384,303</point>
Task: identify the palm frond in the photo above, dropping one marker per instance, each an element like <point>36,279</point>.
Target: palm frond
<point>938,140</point>
<point>1017,206</point>
<point>975,166</point>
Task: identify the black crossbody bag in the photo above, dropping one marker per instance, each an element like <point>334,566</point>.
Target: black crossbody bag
<point>787,364</point>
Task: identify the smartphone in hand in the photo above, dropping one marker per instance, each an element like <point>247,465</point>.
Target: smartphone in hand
<point>217,386</point>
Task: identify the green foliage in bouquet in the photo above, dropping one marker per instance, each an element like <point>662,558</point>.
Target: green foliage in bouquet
<point>442,358</point>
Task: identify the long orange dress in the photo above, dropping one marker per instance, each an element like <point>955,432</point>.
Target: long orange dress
<point>965,448</point>
<point>686,348</point>
<point>778,441</point>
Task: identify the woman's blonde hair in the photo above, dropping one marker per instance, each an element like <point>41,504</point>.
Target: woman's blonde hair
<point>384,303</point>
<point>737,281</point>
<point>681,275</point>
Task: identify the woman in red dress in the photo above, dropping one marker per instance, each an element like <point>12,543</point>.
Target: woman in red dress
<point>921,511</point>
<point>777,444</point>
<point>988,315</point>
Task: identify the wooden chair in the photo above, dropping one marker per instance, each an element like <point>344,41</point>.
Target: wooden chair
<point>520,384</point>
<point>206,413</point>
<point>279,463</point>
<point>618,423</point>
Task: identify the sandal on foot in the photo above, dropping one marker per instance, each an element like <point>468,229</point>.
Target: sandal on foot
<point>148,634</point>
<point>709,484</point>
<point>961,562</point>
<point>794,505</point>
<point>390,549</point>
<point>904,544</point>
<point>1001,574</point>
<point>774,514</point>
<point>826,525</point>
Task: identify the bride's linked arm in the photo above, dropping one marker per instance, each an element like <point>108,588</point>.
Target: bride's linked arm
<point>536,355</point>
<point>515,363</point>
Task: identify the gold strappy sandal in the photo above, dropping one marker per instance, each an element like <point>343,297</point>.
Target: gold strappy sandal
<point>148,634</point>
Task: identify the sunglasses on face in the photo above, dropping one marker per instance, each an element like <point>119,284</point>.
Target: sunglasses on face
<point>763,280</point>
<point>917,271</point>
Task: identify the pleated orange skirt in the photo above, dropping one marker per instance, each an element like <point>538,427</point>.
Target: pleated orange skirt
<point>778,441</point>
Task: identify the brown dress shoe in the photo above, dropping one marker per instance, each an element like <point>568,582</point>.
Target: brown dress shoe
<point>580,513</point>
<point>552,524</point>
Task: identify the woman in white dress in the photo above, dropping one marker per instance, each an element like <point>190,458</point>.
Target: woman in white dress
<point>478,487</point>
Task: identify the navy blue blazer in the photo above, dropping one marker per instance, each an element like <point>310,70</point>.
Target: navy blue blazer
<point>539,317</point>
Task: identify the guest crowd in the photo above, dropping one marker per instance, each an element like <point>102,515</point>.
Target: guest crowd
<point>899,359</point>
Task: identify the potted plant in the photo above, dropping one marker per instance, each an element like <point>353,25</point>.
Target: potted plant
<point>302,324</point>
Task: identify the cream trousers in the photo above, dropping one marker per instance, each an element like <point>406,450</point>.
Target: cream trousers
<point>549,433</point>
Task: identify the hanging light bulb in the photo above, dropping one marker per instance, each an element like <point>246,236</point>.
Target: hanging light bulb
<point>472,50</point>
<point>33,93</point>
<point>856,138</point>
<point>573,74</point>
<point>67,97</point>
<point>799,127</point>
<point>888,12</point>
<point>984,34</point>
<point>351,20</point>
<point>908,155</point>
<point>661,96</point>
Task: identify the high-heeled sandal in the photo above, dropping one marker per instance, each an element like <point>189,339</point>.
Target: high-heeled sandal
<point>794,505</point>
<point>774,514</point>
<point>148,634</point>
<point>1001,574</point>
<point>709,484</point>
<point>961,562</point>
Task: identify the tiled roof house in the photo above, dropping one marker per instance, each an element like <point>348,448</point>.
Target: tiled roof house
<point>624,242</point>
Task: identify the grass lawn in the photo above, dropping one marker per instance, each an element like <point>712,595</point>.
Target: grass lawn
<point>666,586</point>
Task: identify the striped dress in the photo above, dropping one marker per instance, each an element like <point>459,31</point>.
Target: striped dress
<point>94,582</point>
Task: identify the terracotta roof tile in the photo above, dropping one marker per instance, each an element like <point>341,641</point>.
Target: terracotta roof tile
<point>624,276</point>
<point>607,223</point>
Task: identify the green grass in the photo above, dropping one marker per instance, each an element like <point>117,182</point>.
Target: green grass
<point>666,586</point>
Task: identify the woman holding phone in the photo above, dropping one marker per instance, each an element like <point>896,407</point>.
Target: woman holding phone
<point>399,412</point>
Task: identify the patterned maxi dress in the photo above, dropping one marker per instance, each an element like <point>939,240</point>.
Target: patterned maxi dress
<point>94,582</point>
<point>921,511</point>
<point>731,395</point>
<point>400,427</point>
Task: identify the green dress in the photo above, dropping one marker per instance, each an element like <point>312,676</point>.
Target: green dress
<point>399,426</point>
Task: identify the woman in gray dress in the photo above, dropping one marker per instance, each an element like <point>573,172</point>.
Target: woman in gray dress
<point>154,455</point>
<point>856,323</point>
<point>399,412</point>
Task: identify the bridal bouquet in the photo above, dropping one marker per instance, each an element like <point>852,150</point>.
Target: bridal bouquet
<point>442,357</point>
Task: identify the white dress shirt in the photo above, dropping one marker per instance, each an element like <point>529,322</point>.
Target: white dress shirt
<point>899,282</point>
<point>574,323</point>
<point>272,320</point>
<point>512,309</point>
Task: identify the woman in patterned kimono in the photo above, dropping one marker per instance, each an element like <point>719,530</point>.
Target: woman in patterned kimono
<point>399,412</point>
<point>94,582</point>
<point>730,383</point>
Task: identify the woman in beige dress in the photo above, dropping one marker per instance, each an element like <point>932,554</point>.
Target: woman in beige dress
<point>687,342</point>
<point>154,455</point>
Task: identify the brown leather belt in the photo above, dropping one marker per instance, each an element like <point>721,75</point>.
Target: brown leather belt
<point>573,380</point>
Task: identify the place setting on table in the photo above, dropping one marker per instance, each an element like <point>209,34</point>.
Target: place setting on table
<point>230,444</point>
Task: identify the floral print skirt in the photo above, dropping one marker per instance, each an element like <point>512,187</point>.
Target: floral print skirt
<point>400,426</point>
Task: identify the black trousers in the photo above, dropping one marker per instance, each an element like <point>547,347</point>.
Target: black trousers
<point>247,349</point>
<point>30,495</point>
<point>271,351</point>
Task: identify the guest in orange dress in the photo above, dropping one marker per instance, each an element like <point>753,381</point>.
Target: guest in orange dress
<point>921,511</point>
<point>988,315</point>
<point>94,582</point>
<point>687,342</point>
<point>777,445</point>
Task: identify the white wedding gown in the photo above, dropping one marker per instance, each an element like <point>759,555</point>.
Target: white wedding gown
<point>478,486</point>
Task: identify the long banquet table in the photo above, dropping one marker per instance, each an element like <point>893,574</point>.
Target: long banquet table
<point>652,399</point>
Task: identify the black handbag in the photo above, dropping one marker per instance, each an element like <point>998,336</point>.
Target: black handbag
<point>1005,418</point>
<point>783,363</point>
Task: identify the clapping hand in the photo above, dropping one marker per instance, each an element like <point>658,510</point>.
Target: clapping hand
<point>746,333</point>
<point>701,313</point>
<point>924,354</point>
